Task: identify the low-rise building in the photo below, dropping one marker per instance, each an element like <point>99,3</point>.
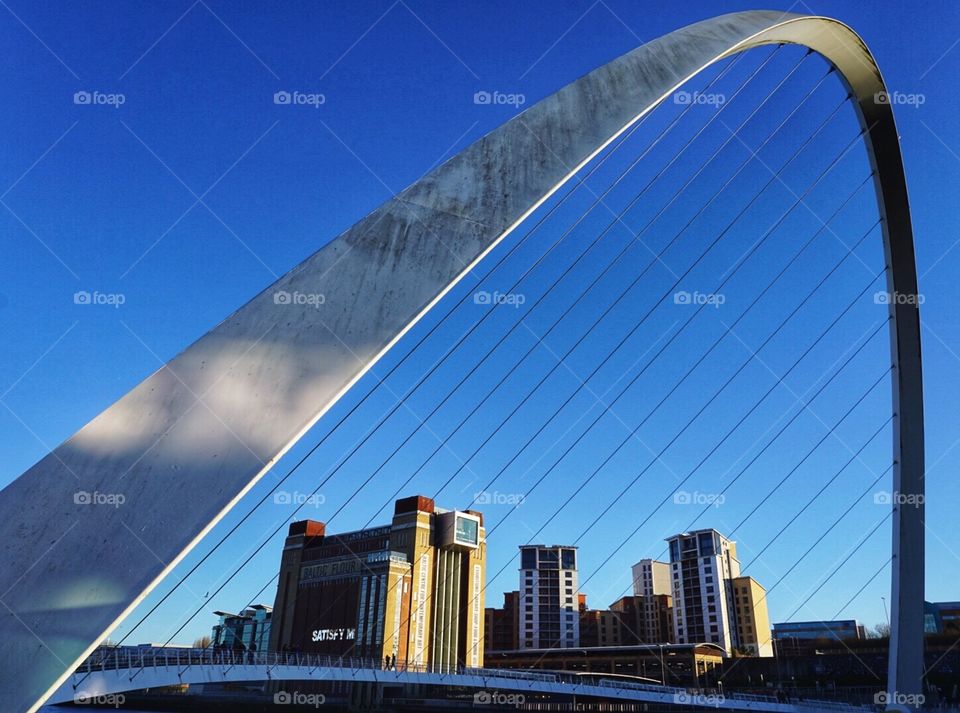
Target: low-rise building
<point>793,637</point>
<point>674,664</point>
<point>502,626</point>
<point>941,617</point>
<point>249,630</point>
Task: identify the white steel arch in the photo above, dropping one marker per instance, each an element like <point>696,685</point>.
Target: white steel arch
<point>184,445</point>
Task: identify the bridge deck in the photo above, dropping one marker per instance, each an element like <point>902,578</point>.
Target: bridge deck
<point>130,669</point>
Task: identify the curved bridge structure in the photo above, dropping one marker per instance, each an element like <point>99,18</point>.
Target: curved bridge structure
<point>186,444</point>
<point>131,670</point>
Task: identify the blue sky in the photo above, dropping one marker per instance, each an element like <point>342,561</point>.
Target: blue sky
<point>197,191</point>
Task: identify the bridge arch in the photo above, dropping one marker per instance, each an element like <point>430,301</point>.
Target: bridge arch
<point>189,441</point>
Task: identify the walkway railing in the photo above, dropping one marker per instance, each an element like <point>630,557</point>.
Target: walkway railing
<point>137,658</point>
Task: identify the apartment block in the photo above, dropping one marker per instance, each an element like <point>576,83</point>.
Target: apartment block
<point>549,597</point>
<point>712,602</point>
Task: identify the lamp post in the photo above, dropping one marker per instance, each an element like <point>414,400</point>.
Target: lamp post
<point>663,671</point>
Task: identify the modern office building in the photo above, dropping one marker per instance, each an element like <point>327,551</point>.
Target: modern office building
<point>549,597</point>
<point>792,637</point>
<point>410,591</point>
<point>249,630</point>
<point>502,626</point>
<point>941,617</point>
<point>705,576</point>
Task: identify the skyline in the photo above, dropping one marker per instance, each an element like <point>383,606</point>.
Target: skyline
<point>64,384</point>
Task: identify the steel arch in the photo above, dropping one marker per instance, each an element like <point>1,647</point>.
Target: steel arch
<point>185,444</point>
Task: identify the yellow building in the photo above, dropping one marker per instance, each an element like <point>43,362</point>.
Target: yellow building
<point>410,592</point>
<point>753,621</point>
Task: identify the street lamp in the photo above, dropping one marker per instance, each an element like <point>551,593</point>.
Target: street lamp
<point>663,671</point>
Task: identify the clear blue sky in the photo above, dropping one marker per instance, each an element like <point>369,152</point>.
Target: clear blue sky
<point>97,197</point>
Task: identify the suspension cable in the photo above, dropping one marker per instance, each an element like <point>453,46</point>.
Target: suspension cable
<point>539,339</point>
<point>742,212</point>
<point>596,241</point>
<point>793,470</point>
<point>806,352</point>
<point>580,182</point>
<point>402,399</point>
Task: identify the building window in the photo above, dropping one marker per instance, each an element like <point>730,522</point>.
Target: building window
<point>528,558</point>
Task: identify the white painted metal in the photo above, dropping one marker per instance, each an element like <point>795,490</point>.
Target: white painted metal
<point>168,669</point>
<point>191,439</point>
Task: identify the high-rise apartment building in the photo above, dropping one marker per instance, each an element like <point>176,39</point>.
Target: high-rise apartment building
<point>706,582</point>
<point>410,591</point>
<point>652,583</point>
<point>549,597</point>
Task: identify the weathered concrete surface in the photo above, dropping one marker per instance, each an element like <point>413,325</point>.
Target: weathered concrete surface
<point>186,443</point>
